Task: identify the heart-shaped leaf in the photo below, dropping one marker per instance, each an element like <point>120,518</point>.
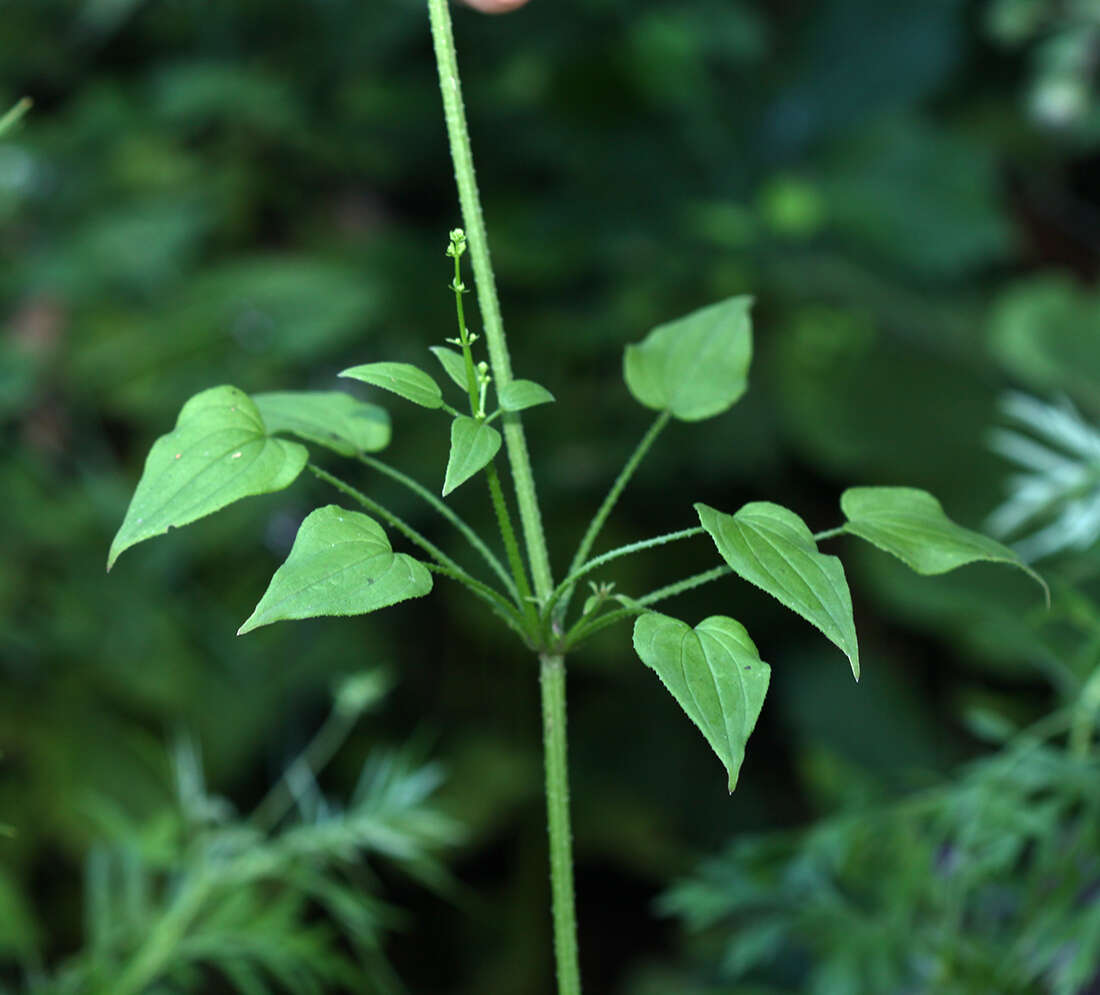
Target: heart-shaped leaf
<point>518,395</point>
<point>454,365</point>
<point>329,418</point>
<point>911,524</point>
<point>341,563</point>
<point>403,379</point>
<point>473,445</point>
<point>714,672</point>
<point>695,367</point>
<point>771,547</point>
<point>218,453</point>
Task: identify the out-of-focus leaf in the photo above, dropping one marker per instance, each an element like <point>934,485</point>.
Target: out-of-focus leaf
<point>329,418</point>
<point>1044,330</point>
<point>911,525</point>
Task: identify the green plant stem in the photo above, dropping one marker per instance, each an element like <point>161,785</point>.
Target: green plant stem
<point>552,681</point>
<point>478,243</point>
<point>448,513</point>
<point>161,941</point>
<point>635,547</point>
<point>829,533</point>
<point>1084,717</point>
<point>583,628</point>
<point>499,605</point>
<point>464,337</point>
<point>447,565</point>
<point>511,547</point>
<point>314,759</point>
<point>11,118</point>
<point>609,502</point>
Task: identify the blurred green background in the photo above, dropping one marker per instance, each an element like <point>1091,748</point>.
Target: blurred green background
<point>259,194</point>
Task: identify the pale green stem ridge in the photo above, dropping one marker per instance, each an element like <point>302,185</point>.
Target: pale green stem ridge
<point>511,547</point>
<point>609,502</point>
<point>552,679</point>
<point>448,513</point>
<point>495,602</point>
<point>584,628</point>
<point>635,547</point>
<point>478,244</point>
<point>829,533</point>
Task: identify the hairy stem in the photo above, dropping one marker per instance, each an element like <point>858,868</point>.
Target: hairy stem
<point>499,360</point>
<point>635,547</point>
<point>552,680</point>
<point>609,502</point>
<point>584,628</point>
<point>511,547</point>
<point>448,513</point>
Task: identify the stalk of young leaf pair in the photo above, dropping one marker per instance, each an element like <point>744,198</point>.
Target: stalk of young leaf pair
<point>552,668</point>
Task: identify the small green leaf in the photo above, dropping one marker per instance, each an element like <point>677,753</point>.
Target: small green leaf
<point>218,453</point>
<point>695,367</point>
<point>714,672</point>
<point>911,524</point>
<point>453,364</point>
<point>341,563</point>
<point>518,395</point>
<point>473,445</point>
<point>402,379</point>
<point>771,547</point>
<point>329,418</point>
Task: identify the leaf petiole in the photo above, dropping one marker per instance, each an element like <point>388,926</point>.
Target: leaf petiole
<point>614,554</point>
<point>450,567</point>
<point>585,627</point>
<point>610,500</point>
<point>449,514</point>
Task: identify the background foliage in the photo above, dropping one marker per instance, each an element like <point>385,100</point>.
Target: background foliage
<point>259,194</point>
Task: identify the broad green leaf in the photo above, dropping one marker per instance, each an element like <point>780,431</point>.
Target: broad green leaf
<point>341,563</point>
<point>218,453</point>
<point>911,524</point>
<point>473,445</point>
<point>695,367</point>
<point>453,364</point>
<point>714,672</point>
<point>518,395</point>
<point>329,418</point>
<point>772,548</point>
<point>402,379</point>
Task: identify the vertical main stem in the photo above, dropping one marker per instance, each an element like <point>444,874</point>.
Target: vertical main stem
<point>552,672</point>
<point>470,199</point>
<point>552,679</point>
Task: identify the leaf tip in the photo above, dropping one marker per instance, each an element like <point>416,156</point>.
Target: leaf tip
<point>248,625</point>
